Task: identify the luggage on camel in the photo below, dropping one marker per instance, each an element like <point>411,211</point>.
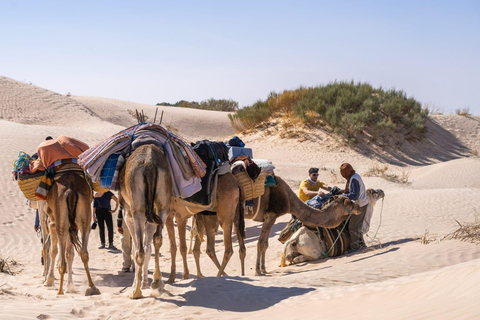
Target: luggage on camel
<point>245,168</point>
<point>36,176</point>
<point>215,156</point>
<point>186,166</point>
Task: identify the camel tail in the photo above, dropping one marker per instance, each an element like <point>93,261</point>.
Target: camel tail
<point>240,213</point>
<point>150,176</point>
<point>72,200</point>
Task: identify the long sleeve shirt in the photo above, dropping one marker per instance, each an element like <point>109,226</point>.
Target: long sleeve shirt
<point>354,191</point>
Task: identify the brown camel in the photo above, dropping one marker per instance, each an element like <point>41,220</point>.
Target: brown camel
<point>230,211</point>
<point>145,194</point>
<point>279,200</point>
<point>69,210</point>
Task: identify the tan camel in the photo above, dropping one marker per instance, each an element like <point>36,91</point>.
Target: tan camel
<point>40,205</point>
<point>69,210</point>
<point>279,200</point>
<point>306,245</point>
<point>145,194</point>
<point>230,211</point>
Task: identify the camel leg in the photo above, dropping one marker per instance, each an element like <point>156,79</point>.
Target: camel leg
<point>53,254</point>
<point>70,254</point>
<point>192,235</point>
<point>181,226</point>
<point>150,229</point>
<point>157,275</point>
<point>85,231</point>
<point>227,241</point>
<point>137,236</point>
<point>173,247</point>
<point>62,265</point>
<point>198,242</point>
<point>263,244</point>
<point>242,251</point>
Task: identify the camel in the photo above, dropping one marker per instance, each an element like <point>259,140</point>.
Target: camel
<point>230,211</point>
<point>279,200</point>
<point>306,245</point>
<point>145,194</point>
<point>69,210</point>
<point>40,205</point>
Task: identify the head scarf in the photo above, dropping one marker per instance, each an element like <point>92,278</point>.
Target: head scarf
<point>347,172</point>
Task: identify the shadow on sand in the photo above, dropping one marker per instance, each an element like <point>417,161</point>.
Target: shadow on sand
<point>236,294</point>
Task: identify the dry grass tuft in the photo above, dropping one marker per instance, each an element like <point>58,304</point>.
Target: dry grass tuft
<point>382,172</point>
<point>427,238</point>
<point>468,232</point>
<point>5,265</point>
<point>464,112</point>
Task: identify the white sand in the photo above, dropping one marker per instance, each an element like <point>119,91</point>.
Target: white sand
<point>403,279</point>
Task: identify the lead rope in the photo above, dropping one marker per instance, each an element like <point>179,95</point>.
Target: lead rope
<point>325,254</point>
<point>380,223</point>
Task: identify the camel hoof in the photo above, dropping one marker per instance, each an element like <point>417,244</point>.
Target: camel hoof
<point>199,275</point>
<point>49,282</point>
<point>258,273</point>
<point>70,288</point>
<point>136,295</point>
<point>186,276</point>
<point>145,285</point>
<point>92,291</point>
<point>171,280</point>
<point>157,285</point>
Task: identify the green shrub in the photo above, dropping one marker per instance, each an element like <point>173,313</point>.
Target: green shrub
<point>350,109</point>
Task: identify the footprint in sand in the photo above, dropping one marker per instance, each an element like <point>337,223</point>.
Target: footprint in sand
<point>8,223</point>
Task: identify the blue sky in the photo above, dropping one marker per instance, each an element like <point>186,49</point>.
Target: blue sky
<point>155,51</point>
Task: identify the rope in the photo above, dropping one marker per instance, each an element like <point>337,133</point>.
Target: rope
<point>22,162</point>
<point>380,223</point>
<point>325,254</point>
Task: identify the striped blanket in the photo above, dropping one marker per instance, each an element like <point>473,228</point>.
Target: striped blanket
<point>185,165</point>
<point>49,176</point>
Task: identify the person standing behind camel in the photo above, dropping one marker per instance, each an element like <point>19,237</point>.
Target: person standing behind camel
<point>102,213</point>
<point>355,190</point>
<point>126,242</point>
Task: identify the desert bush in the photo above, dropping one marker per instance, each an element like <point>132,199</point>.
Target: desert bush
<point>382,172</point>
<point>350,109</point>
<point>464,112</point>
<point>210,104</point>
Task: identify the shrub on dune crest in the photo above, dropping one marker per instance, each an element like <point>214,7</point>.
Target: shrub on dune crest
<point>349,109</point>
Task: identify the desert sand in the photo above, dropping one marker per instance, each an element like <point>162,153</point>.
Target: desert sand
<point>406,273</point>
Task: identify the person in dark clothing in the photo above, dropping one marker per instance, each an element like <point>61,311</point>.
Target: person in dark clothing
<point>102,214</point>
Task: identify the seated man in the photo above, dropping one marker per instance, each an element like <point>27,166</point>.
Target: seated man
<point>311,186</point>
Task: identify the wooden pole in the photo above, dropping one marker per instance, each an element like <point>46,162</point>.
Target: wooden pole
<point>161,117</point>
<point>155,118</point>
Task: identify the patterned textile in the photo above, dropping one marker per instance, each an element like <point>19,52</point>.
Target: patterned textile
<point>185,165</point>
<point>49,177</point>
<point>329,236</point>
<point>108,171</point>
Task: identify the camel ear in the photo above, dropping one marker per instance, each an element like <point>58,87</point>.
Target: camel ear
<point>347,201</point>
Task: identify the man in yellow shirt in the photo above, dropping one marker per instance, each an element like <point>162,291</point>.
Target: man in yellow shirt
<point>310,187</point>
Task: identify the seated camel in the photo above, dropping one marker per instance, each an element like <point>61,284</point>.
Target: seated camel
<point>307,244</point>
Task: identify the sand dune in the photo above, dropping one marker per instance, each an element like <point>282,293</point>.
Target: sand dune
<point>401,279</point>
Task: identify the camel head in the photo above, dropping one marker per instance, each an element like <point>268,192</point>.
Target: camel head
<point>346,204</point>
<point>374,194</point>
<point>302,246</point>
